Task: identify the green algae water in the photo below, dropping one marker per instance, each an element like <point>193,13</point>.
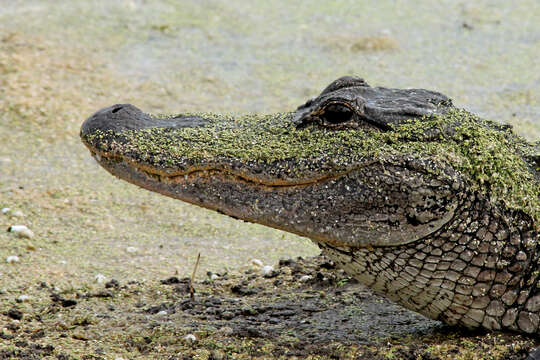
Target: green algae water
<point>256,56</point>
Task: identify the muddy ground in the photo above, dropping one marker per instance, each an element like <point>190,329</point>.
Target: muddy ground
<point>303,309</point>
<point>104,274</point>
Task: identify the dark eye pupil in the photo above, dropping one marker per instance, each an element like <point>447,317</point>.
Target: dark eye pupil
<point>337,113</point>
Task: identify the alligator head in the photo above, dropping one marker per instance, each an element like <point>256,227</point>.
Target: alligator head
<point>347,168</point>
<point>313,172</point>
<point>384,180</point>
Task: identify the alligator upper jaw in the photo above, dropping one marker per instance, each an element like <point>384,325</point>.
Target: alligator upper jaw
<point>118,118</point>
<point>108,126</point>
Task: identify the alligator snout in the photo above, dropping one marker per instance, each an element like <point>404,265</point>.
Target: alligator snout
<point>122,117</point>
<point>117,118</point>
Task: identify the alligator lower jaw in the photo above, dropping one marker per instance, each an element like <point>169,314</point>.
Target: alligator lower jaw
<point>166,185</point>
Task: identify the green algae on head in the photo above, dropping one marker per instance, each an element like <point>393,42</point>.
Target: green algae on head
<point>497,163</point>
<point>491,157</point>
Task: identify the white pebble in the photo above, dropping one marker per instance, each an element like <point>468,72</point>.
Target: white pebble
<point>214,277</point>
<point>305,278</point>
<point>5,210</point>
<point>17,213</point>
<point>63,262</point>
<point>267,270</point>
<point>12,259</point>
<point>190,338</point>
<point>131,249</point>
<point>100,278</point>
<point>21,231</point>
<point>23,298</point>
<point>162,312</point>
<point>257,262</point>
<point>119,358</point>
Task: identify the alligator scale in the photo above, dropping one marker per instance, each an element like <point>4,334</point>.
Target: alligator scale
<point>426,204</point>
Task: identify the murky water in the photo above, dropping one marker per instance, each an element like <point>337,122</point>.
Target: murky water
<point>262,56</point>
<point>235,56</point>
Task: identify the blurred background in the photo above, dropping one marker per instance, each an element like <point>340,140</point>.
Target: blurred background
<point>62,60</point>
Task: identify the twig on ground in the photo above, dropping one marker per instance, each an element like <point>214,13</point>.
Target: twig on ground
<point>191,289</point>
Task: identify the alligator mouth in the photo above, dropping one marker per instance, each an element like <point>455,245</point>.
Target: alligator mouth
<point>110,161</point>
<point>318,207</point>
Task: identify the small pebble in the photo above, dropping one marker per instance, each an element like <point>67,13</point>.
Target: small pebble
<point>218,355</point>
<point>113,283</point>
<point>100,278</point>
<point>267,270</point>
<point>225,331</point>
<point>131,249</point>
<point>15,314</point>
<point>5,210</point>
<point>12,259</point>
<point>190,338</point>
<point>17,213</point>
<point>305,278</point>
<point>21,231</point>
<point>257,262</point>
<point>23,298</point>
<point>162,312</point>
<point>214,277</point>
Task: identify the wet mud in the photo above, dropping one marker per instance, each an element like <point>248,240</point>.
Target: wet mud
<point>304,308</point>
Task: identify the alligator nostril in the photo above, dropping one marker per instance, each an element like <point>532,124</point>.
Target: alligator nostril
<point>116,109</point>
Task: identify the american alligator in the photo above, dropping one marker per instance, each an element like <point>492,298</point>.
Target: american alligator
<point>425,203</point>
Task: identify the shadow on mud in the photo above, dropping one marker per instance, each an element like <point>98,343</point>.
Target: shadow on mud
<point>302,308</point>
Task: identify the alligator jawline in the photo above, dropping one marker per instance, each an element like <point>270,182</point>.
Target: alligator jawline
<point>178,176</point>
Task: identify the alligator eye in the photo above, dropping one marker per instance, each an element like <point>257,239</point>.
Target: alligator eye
<point>335,114</point>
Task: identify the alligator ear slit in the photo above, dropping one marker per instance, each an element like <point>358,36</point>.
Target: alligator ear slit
<point>379,125</point>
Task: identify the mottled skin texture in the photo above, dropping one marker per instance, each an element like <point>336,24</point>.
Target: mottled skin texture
<point>431,228</point>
